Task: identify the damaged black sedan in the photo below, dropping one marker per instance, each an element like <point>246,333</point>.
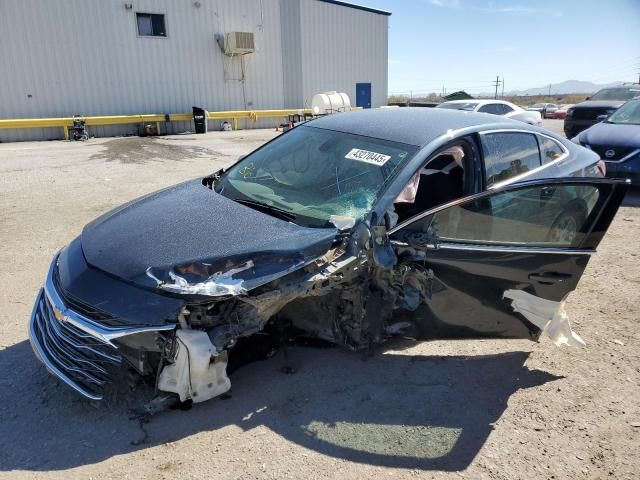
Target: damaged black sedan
<point>351,228</point>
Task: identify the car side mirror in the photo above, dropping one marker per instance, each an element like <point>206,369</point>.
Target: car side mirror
<point>601,118</point>
<point>383,253</point>
<point>588,98</point>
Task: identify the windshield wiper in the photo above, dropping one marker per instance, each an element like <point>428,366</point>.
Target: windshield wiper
<point>275,211</point>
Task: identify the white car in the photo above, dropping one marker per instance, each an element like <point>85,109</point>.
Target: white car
<point>496,107</point>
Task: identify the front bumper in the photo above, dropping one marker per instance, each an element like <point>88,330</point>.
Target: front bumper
<point>74,348</point>
<point>628,168</point>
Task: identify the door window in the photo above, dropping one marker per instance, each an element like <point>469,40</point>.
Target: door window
<point>509,154</point>
<point>505,109</point>
<point>545,215</point>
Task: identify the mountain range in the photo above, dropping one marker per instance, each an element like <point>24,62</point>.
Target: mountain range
<point>569,86</point>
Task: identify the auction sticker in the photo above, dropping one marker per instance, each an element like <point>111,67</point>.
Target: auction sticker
<point>366,156</point>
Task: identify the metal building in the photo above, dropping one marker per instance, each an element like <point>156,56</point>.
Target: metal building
<point>118,57</point>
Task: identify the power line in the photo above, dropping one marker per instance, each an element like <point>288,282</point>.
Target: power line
<point>605,69</point>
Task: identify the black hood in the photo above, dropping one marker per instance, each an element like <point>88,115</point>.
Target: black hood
<point>190,232</point>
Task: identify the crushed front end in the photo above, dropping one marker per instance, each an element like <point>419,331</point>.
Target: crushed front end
<point>75,342</point>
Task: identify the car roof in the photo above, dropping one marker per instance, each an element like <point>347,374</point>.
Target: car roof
<point>411,125</point>
<point>479,100</point>
<point>484,101</point>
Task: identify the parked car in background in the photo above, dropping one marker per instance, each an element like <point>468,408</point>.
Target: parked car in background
<point>495,107</point>
<point>546,109</point>
<point>352,228</point>
<point>617,140</point>
<point>561,112</point>
<point>583,115</point>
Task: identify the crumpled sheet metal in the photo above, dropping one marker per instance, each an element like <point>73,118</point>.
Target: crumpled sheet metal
<point>547,315</point>
<point>235,281</point>
<point>217,285</point>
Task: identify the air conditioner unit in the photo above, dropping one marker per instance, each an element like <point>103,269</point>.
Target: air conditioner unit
<point>239,43</point>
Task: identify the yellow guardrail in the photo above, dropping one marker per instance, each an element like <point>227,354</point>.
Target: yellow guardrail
<point>67,122</point>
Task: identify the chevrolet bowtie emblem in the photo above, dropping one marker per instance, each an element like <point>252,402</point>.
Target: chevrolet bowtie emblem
<point>58,314</point>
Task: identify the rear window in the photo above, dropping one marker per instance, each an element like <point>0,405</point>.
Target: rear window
<point>550,150</point>
<point>458,106</point>
<point>509,154</point>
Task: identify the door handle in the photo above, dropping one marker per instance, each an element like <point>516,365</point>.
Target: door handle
<point>549,278</point>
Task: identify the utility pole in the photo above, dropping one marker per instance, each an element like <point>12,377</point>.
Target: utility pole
<point>503,88</point>
<point>496,83</point>
<point>549,89</point>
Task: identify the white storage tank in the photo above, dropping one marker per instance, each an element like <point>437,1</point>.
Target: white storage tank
<point>330,102</point>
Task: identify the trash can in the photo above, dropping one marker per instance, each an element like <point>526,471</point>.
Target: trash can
<point>200,119</point>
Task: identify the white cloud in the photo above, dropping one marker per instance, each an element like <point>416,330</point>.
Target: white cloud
<point>446,3</point>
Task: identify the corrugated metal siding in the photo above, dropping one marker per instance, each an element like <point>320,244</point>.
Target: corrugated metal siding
<point>84,57</point>
<point>291,53</point>
<point>341,47</point>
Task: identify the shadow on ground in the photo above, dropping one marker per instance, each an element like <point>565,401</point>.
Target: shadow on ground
<point>632,198</point>
<point>423,412</point>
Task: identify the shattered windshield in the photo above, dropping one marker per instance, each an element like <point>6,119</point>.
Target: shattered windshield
<point>317,176</point>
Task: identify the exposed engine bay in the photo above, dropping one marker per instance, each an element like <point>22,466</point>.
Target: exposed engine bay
<point>335,298</point>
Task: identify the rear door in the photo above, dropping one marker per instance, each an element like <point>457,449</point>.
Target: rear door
<point>500,264</point>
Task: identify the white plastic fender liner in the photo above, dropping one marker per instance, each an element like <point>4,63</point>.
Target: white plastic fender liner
<point>547,315</point>
<point>199,372</point>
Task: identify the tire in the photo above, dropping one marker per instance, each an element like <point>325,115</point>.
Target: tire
<point>566,227</point>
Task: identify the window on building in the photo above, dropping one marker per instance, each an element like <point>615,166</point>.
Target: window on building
<point>151,25</point>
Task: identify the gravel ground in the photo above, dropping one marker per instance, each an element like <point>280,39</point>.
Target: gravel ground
<point>470,409</point>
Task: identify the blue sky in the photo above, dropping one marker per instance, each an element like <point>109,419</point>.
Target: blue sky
<point>464,44</point>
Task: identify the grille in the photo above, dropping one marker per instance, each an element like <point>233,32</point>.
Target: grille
<point>589,113</point>
<point>244,40</point>
<point>619,152</point>
<point>78,305</point>
<point>79,359</point>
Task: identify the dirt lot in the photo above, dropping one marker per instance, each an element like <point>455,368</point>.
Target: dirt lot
<point>473,409</point>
